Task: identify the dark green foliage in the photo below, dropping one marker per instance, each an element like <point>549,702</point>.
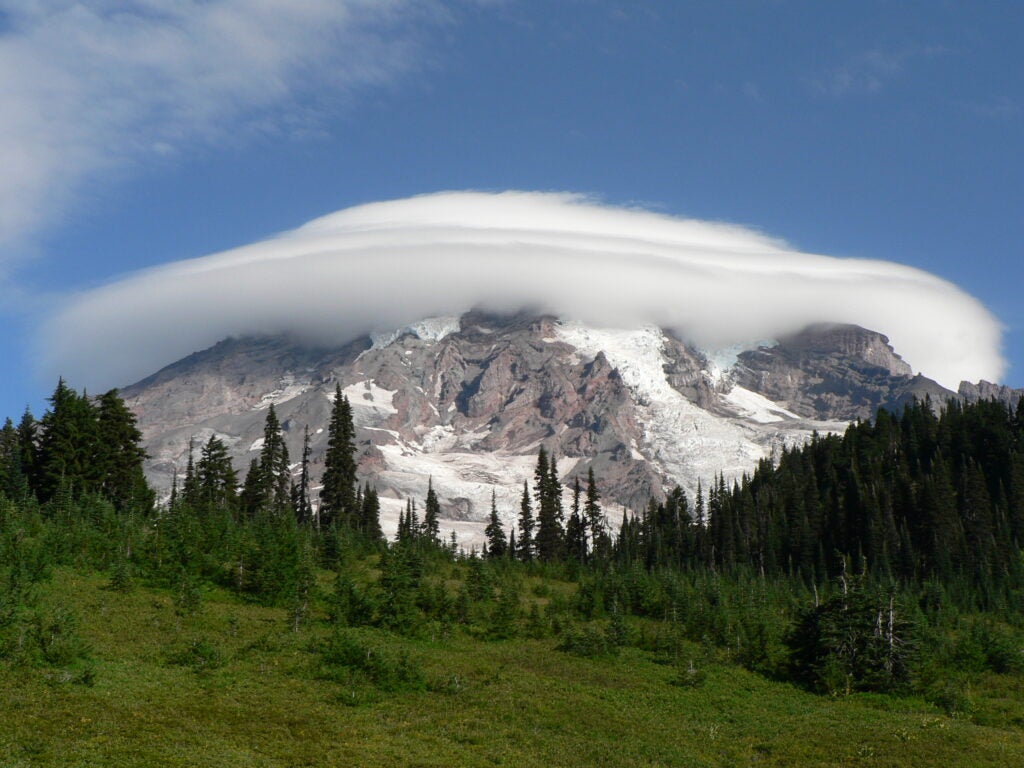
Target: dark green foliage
<point>496,543</point>
<point>200,654</point>
<point>338,495</point>
<point>431,516</point>
<point>216,479</point>
<point>81,447</point>
<point>550,540</point>
<point>524,546</point>
<point>576,529</point>
<point>369,515</point>
<point>119,455</point>
<point>268,484</point>
<point>914,496</point>
<point>348,658</point>
<point>300,497</point>
<point>858,640</point>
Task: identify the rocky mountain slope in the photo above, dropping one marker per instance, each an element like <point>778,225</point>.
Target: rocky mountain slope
<point>468,401</point>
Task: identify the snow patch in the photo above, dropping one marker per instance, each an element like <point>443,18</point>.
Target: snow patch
<point>366,394</point>
<point>287,389</point>
<point>431,329</point>
<point>751,405</point>
<point>681,439</point>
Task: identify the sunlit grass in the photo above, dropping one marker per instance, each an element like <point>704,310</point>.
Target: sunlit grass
<point>233,685</point>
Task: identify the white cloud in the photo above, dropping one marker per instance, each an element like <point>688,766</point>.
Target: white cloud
<point>90,86</point>
<point>384,265</point>
<point>868,72</point>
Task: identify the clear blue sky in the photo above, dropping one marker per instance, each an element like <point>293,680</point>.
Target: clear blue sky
<point>874,129</point>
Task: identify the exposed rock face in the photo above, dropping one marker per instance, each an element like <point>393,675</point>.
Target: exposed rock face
<point>986,390</point>
<point>834,372</point>
<point>468,401</point>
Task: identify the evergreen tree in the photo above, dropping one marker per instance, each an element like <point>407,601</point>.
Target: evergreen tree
<point>369,523</point>
<point>550,532</point>
<point>190,494</point>
<point>337,498</point>
<point>576,529</point>
<point>303,508</point>
<point>526,524</point>
<point>431,516</point>
<point>68,444</point>
<point>28,439</point>
<point>496,543</point>
<point>216,477</point>
<point>275,468</point>
<point>119,455</point>
<point>252,498</point>
<point>599,540</point>
<point>13,481</point>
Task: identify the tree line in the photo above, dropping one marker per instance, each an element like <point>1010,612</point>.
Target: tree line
<point>830,565</point>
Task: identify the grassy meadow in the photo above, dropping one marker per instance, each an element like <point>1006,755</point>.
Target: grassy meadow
<point>230,683</point>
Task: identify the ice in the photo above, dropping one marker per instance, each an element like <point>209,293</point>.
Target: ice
<point>751,405</point>
<point>685,442</point>
<point>366,394</point>
<point>430,329</point>
<point>287,389</point>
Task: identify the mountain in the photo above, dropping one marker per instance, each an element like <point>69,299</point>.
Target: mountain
<point>468,401</point>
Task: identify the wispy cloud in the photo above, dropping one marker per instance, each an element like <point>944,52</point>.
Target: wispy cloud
<point>93,86</point>
<point>869,71</point>
<point>381,266</point>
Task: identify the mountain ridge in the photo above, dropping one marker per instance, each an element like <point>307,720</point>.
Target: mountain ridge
<point>468,401</point>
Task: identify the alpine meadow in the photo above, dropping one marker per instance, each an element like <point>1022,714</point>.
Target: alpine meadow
<point>511,383</point>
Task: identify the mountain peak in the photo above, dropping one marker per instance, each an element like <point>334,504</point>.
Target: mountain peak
<point>468,401</point>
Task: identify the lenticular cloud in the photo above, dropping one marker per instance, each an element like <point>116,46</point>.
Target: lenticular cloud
<point>380,266</point>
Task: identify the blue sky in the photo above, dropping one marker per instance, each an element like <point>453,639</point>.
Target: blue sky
<point>868,129</point>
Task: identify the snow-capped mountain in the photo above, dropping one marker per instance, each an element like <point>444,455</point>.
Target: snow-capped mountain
<point>468,401</point>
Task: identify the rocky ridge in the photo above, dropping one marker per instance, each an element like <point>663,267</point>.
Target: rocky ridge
<point>468,401</point>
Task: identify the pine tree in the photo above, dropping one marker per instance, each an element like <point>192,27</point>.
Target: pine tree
<point>337,498</point>
<point>13,480</point>
<point>369,523</point>
<point>550,531</point>
<point>303,508</point>
<point>252,498</point>
<point>190,494</point>
<point>119,455</point>
<point>526,524</point>
<point>576,529</point>
<point>275,468</point>
<point>431,516</point>
<point>496,543</point>
<point>599,540</point>
<point>67,445</point>
<point>216,477</point>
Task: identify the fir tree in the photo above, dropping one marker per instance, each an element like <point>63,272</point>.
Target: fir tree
<point>252,498</point>
<point>216,476</point>
<point>119,455</point>
<point>301,503</point>
<point>526,524</point>
<point>576,529</point>
<point>67,446</point>
<point>496,544</point>
<point>337,498</point>
<point>599,540</point>
<point>432,515</point>
<point>28,439</point>
<point>369,523</point>
<point>275,469</point>
<point>550,531</point>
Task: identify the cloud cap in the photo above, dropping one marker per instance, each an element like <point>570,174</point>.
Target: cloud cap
<point>382,265</point>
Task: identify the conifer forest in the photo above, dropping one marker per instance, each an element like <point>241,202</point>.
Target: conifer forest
<point>870,575</point>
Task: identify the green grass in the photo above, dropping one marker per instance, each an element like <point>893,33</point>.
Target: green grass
<point>232,685</point>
